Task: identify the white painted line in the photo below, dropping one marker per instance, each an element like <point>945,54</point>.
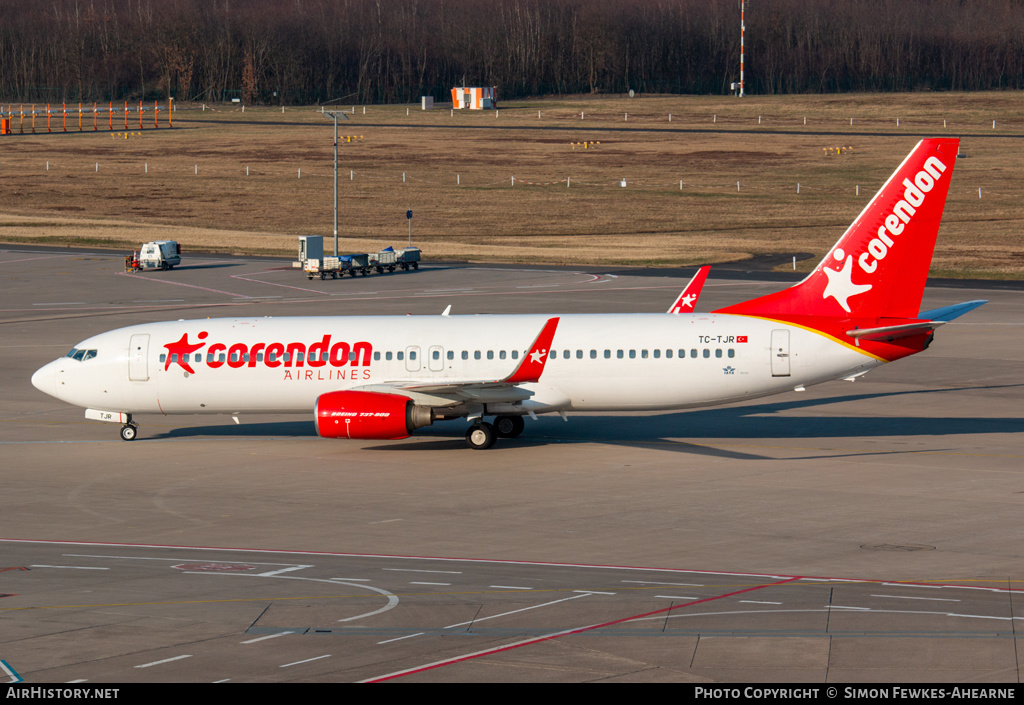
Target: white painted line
<point>907,597</point>
<point>12,674</point>
<point>69,567</point>
<point>843,607</point>
<point>509,587</point>
<point>914,585</point>
<point>414,570</point>
<point>166,660</point>
<point>523,609</point>
<point>272,573</point>
<point>595,592</point>
<point>760,602</point>
<point>982,616</point>
<point>354,580</point>
<point>647,582</point>
<point>268,636</point>
<point>408,636</point>
<point>296,663</point>
<point>676,597</point>
<point>415,583</point>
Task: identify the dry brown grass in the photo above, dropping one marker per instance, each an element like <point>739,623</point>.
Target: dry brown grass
<point>593,221</point>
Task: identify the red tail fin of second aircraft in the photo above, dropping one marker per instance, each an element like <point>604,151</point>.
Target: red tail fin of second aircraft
<point>879,266</point>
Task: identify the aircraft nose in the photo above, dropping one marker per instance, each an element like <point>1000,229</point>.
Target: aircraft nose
<point>45,379</point>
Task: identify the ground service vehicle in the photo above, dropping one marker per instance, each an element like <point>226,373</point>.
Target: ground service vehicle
<point>160,254</point>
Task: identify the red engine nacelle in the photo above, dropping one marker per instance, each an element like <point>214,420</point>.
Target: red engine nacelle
<point>368,415</point>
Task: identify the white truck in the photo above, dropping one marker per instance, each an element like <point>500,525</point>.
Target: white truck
<point>160,254</point>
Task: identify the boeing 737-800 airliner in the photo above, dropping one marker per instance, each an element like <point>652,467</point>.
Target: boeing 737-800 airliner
<point>382,377</point>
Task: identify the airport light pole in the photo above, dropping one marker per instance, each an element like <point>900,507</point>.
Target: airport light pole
<point>334,114</point>
<point>743,29</point>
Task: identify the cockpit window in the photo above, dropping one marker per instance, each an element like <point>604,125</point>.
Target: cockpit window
<point>81,354</point>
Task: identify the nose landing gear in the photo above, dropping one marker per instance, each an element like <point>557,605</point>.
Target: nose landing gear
<point>130,431</point>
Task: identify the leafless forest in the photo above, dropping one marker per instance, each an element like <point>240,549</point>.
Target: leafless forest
<point>390,51</point>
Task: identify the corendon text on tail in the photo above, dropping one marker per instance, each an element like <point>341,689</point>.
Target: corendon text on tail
<point>384,377</point>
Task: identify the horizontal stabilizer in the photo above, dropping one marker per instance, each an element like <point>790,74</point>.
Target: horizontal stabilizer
<point>890,333</point>
<point>948,313</point>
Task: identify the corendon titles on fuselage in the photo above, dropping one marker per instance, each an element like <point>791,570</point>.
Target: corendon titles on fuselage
<point>284,355</point>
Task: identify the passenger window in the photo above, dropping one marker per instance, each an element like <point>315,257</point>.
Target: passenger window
<point>436,354</point>
<point>668,353</point>
<point>476,355</point>
<point>643,354</point>
<point>399,355</point>
<point>732,353</point>
<point>490,354</point>
<point>619,354</point>
<point>465,354</point>
<point>718,352</point>
<point>607,354</point>
<point>501,354</point>
<point>632,354</point>
<point>657,354</point>
<point>376,355</point>
<point>593,354</point>
<point>579,354</point>
<point>515,354</point>
<point>707,353</point>
<point>693,352</point>
<point>451,354</point>
<point>387,355</point>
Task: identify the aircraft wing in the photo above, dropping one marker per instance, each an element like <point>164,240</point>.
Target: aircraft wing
<point>529,369</point>
<point>687,300</point>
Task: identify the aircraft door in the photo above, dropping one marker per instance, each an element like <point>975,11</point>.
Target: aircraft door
<point>412,358</point>
<point>138,355</point>
<point>780,353</point>
<point>435,358</point>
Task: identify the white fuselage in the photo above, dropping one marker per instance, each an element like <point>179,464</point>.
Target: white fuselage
<point>597,362</point>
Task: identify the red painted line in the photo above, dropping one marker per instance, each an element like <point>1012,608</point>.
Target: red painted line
<point>558,635</point>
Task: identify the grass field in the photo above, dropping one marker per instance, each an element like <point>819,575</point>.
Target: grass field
<point>250,182</point>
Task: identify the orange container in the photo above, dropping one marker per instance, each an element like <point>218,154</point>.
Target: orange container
<point>5,126</point>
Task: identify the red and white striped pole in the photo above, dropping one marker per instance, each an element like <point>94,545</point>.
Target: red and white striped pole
<point>743,27</point>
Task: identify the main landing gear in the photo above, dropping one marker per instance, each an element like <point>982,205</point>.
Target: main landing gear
<point>482,435</point>
<point>130,431</point>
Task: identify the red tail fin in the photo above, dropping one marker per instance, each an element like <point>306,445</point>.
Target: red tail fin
<point>879,266</point>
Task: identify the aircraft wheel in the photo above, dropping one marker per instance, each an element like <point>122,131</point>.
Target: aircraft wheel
<point>129,432</point>
<point>509,426</point>
<point>481,436</point>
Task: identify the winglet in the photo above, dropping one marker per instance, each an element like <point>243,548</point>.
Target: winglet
<point>687,300</point>
<point>532,366</point>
